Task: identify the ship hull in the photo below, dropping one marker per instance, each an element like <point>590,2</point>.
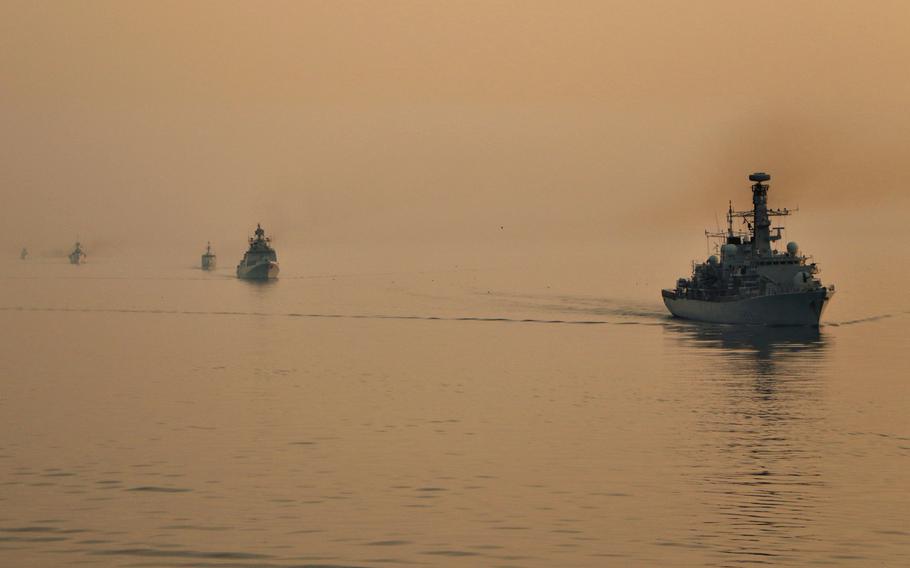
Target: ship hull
<point>261,271</point>
<point>794,309</point>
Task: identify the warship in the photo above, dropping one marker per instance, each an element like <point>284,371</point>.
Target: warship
<point>24,254</point>
<point>751,282</point>
<point>209,260</point>
<point>260,261</point>
<point>78,255</point>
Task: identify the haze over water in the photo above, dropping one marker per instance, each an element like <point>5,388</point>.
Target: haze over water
<point>465,360</point>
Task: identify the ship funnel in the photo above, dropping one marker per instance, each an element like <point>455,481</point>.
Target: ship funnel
<point>759,177</point>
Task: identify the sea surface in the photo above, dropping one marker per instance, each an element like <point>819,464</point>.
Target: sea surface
<point>452,414</point>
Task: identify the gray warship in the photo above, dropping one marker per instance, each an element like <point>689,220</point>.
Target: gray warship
<point>209,260</point>
<point>260,261</point>
<point>751,282</point>
<point>78,255</point>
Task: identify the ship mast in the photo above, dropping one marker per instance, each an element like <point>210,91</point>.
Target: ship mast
<point>758,220</point>
<point>761,216</point>
<point>761,236</point>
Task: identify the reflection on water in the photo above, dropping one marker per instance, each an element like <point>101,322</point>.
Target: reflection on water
<point>755,346</point>
<point>756,459</point>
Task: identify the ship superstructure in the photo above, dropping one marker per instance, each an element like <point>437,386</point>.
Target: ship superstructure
<point>751,282</point>
<point>260,262</point>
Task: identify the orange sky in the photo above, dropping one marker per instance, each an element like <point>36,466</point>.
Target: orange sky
<point>175,122</point>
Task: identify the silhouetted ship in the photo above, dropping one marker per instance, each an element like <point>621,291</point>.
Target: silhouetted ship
<point>78,255</point>
<point>260,261</point>
<point>24,254</point>
<point>209,260</point>
<point>751,283</point>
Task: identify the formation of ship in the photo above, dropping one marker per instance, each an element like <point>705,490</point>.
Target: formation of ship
<point>751,282</point>
<point>259,262</point>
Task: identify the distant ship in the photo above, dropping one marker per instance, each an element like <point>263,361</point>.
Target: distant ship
<point>260,261</point>
<point>209,259</point>
<point>78,255</point>
<point>24,254</point>
<point>751,283</point>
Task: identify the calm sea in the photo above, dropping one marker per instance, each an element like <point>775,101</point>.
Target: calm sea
<point>152,414</point>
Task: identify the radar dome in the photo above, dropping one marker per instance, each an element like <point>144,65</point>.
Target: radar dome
<point>792,248</point>
<point>712,259</point>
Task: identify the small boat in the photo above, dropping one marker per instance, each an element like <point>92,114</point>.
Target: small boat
<point>209,259</point>
<point>78,255</point>
<point>260,261</point>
